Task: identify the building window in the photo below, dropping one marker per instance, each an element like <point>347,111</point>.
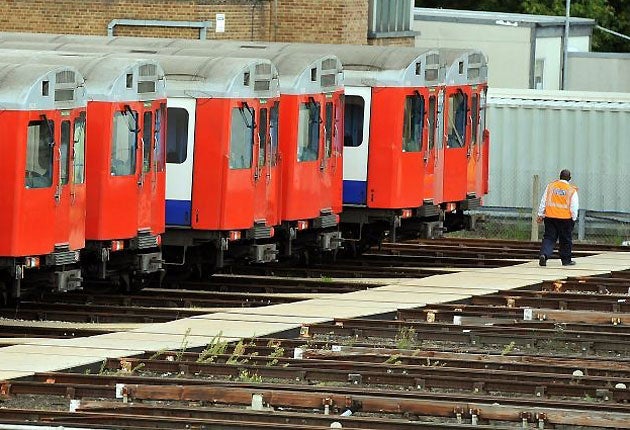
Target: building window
<point>389,16</point>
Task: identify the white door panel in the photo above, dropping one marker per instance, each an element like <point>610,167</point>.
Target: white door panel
<point>179,176</point>
<point>355,159</point>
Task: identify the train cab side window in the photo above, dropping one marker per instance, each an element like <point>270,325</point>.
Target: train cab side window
<point>329,130</point>
<point>475,119</point>
<point>262,137</point>
<point>456,128</point>
<point>412,123</point>
<point>431,123</point>
<point>353,121</point>
<point>39,154</point>
<point>65,150</point>
<point>79,150</point>
<point>177,135</point>
<point>160,136</point>
<point>242,140</point>
<point>273,132</point>
<point>147,139</point>
<point>308,131</point>
<point>482,113</point>
<point>124,136</point>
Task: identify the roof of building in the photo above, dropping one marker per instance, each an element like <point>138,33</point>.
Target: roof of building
<point>495,18</point>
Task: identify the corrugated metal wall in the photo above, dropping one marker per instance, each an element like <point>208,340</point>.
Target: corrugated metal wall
<point>541,132</point>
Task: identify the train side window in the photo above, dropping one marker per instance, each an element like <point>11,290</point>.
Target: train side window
<point>160,136</point>
<point>482,112</point>
<point>177,135</point>
<point>79,150</point>
<point>242,137</point>
<point>431,123</point>
<point>147,138</point>
<point>308,131</point>
<point>124,135</point>
<point>353,121</point>
<point>65,152</point>
<point>412,123</point>
<point>39,154</point>
<point>262,137</point>
<point>475,119</point>
<point>329,130</point>
<point>273,131</point>
<point>456,128</point>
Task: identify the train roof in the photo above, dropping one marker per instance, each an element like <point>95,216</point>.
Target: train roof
<point>107,78</point>
<point>194,76</point>
<point>40,87</point>
<point>465,66</point>
<point>295,69</point>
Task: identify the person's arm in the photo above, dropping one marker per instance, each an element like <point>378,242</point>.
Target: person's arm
<point>543,203</point>
<point>575,205</point>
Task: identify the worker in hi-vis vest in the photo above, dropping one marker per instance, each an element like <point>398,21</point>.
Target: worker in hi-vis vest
<point>559,209</point>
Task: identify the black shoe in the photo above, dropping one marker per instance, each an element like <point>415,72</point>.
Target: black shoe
<point>569,263</point>
<point>542,260</point>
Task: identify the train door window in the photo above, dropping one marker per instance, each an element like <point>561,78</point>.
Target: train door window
<point>39,154</point>
<point>482,111</point>
<point>456,127</point>
<point>308,131</point>
<point>475,119</point>
<point>412,123</point>
<point>431,124</point>
<point>273,131</point>
<point>64,150</point>
<point>124,136</point>
<point>177,135</point>
<point>353,121</point>
<point>147,139</point>
<point>329,130</point>
<point>242,140</point>
<point>79,150</point>
<point>160,137</point>
<point>338,137</point>
<point>440,120</point>
<point>262,137</point>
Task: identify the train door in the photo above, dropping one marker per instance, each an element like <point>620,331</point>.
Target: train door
<point>438,164</point>
<point>268,159</point>
<point>456,138</point>
<point>484,142</point>
<point>254,124</point>
<point>75,177</point>
<point>356,144</point>
<point>180,141</point>
<point>431,153</point>
<point>145,175</point>
<point>158,167</point>
<point>42,200</point>
<point>474,146</point>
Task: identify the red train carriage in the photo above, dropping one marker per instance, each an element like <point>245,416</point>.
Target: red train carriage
<point>124,163</point>
<point>311,121</point>
<point>465,153</point>
<point>222,175</point>
<point>42,177</point>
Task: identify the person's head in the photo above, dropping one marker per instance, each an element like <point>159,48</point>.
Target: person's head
<point>565,174</point>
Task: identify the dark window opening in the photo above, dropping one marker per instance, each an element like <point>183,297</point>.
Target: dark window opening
<point>456,121</point>
<point>39,154</point>
<point>353,121</point>
<point>65,151</point>
<point>177,140</point>
<point>412,124</point>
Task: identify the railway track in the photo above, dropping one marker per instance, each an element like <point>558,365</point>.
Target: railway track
<point>550,355</point>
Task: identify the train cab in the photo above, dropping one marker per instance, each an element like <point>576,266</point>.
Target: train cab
<point>42,177</point>
<point>465,153</point>
<point>223,181</point>
<point>125,164</point>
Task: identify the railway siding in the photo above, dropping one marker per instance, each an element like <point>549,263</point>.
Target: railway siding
<point>56,354</point>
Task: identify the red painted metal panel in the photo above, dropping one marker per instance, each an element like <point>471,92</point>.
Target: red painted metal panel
<point>395,178</point>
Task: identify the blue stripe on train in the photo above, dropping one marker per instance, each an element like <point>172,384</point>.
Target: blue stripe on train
<point>178,212</point>
<point>355,192</point>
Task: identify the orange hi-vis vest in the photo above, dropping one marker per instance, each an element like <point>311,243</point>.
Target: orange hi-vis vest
<point>558,202</point>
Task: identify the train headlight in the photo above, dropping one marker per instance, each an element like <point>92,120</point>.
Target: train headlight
<point>118,245</point>
<point>302,225</point>
<point>234,235</point>
<point>31,262</point>
<point>406,213</point>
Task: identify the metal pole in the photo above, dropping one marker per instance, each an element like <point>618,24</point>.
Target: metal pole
<point>565,46</point>
<point>535,202</point>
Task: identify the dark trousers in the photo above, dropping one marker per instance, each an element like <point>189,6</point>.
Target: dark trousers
<point>555,229</point>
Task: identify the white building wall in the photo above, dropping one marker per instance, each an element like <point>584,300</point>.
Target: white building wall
<point>507,47</point>
<point>599,72</point>
<point>549,50</point>
<point>542,132</point>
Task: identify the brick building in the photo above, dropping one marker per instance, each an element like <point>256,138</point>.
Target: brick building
<point>323,21</point>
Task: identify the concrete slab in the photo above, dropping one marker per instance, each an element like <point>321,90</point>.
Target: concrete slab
<point>5,375</point>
